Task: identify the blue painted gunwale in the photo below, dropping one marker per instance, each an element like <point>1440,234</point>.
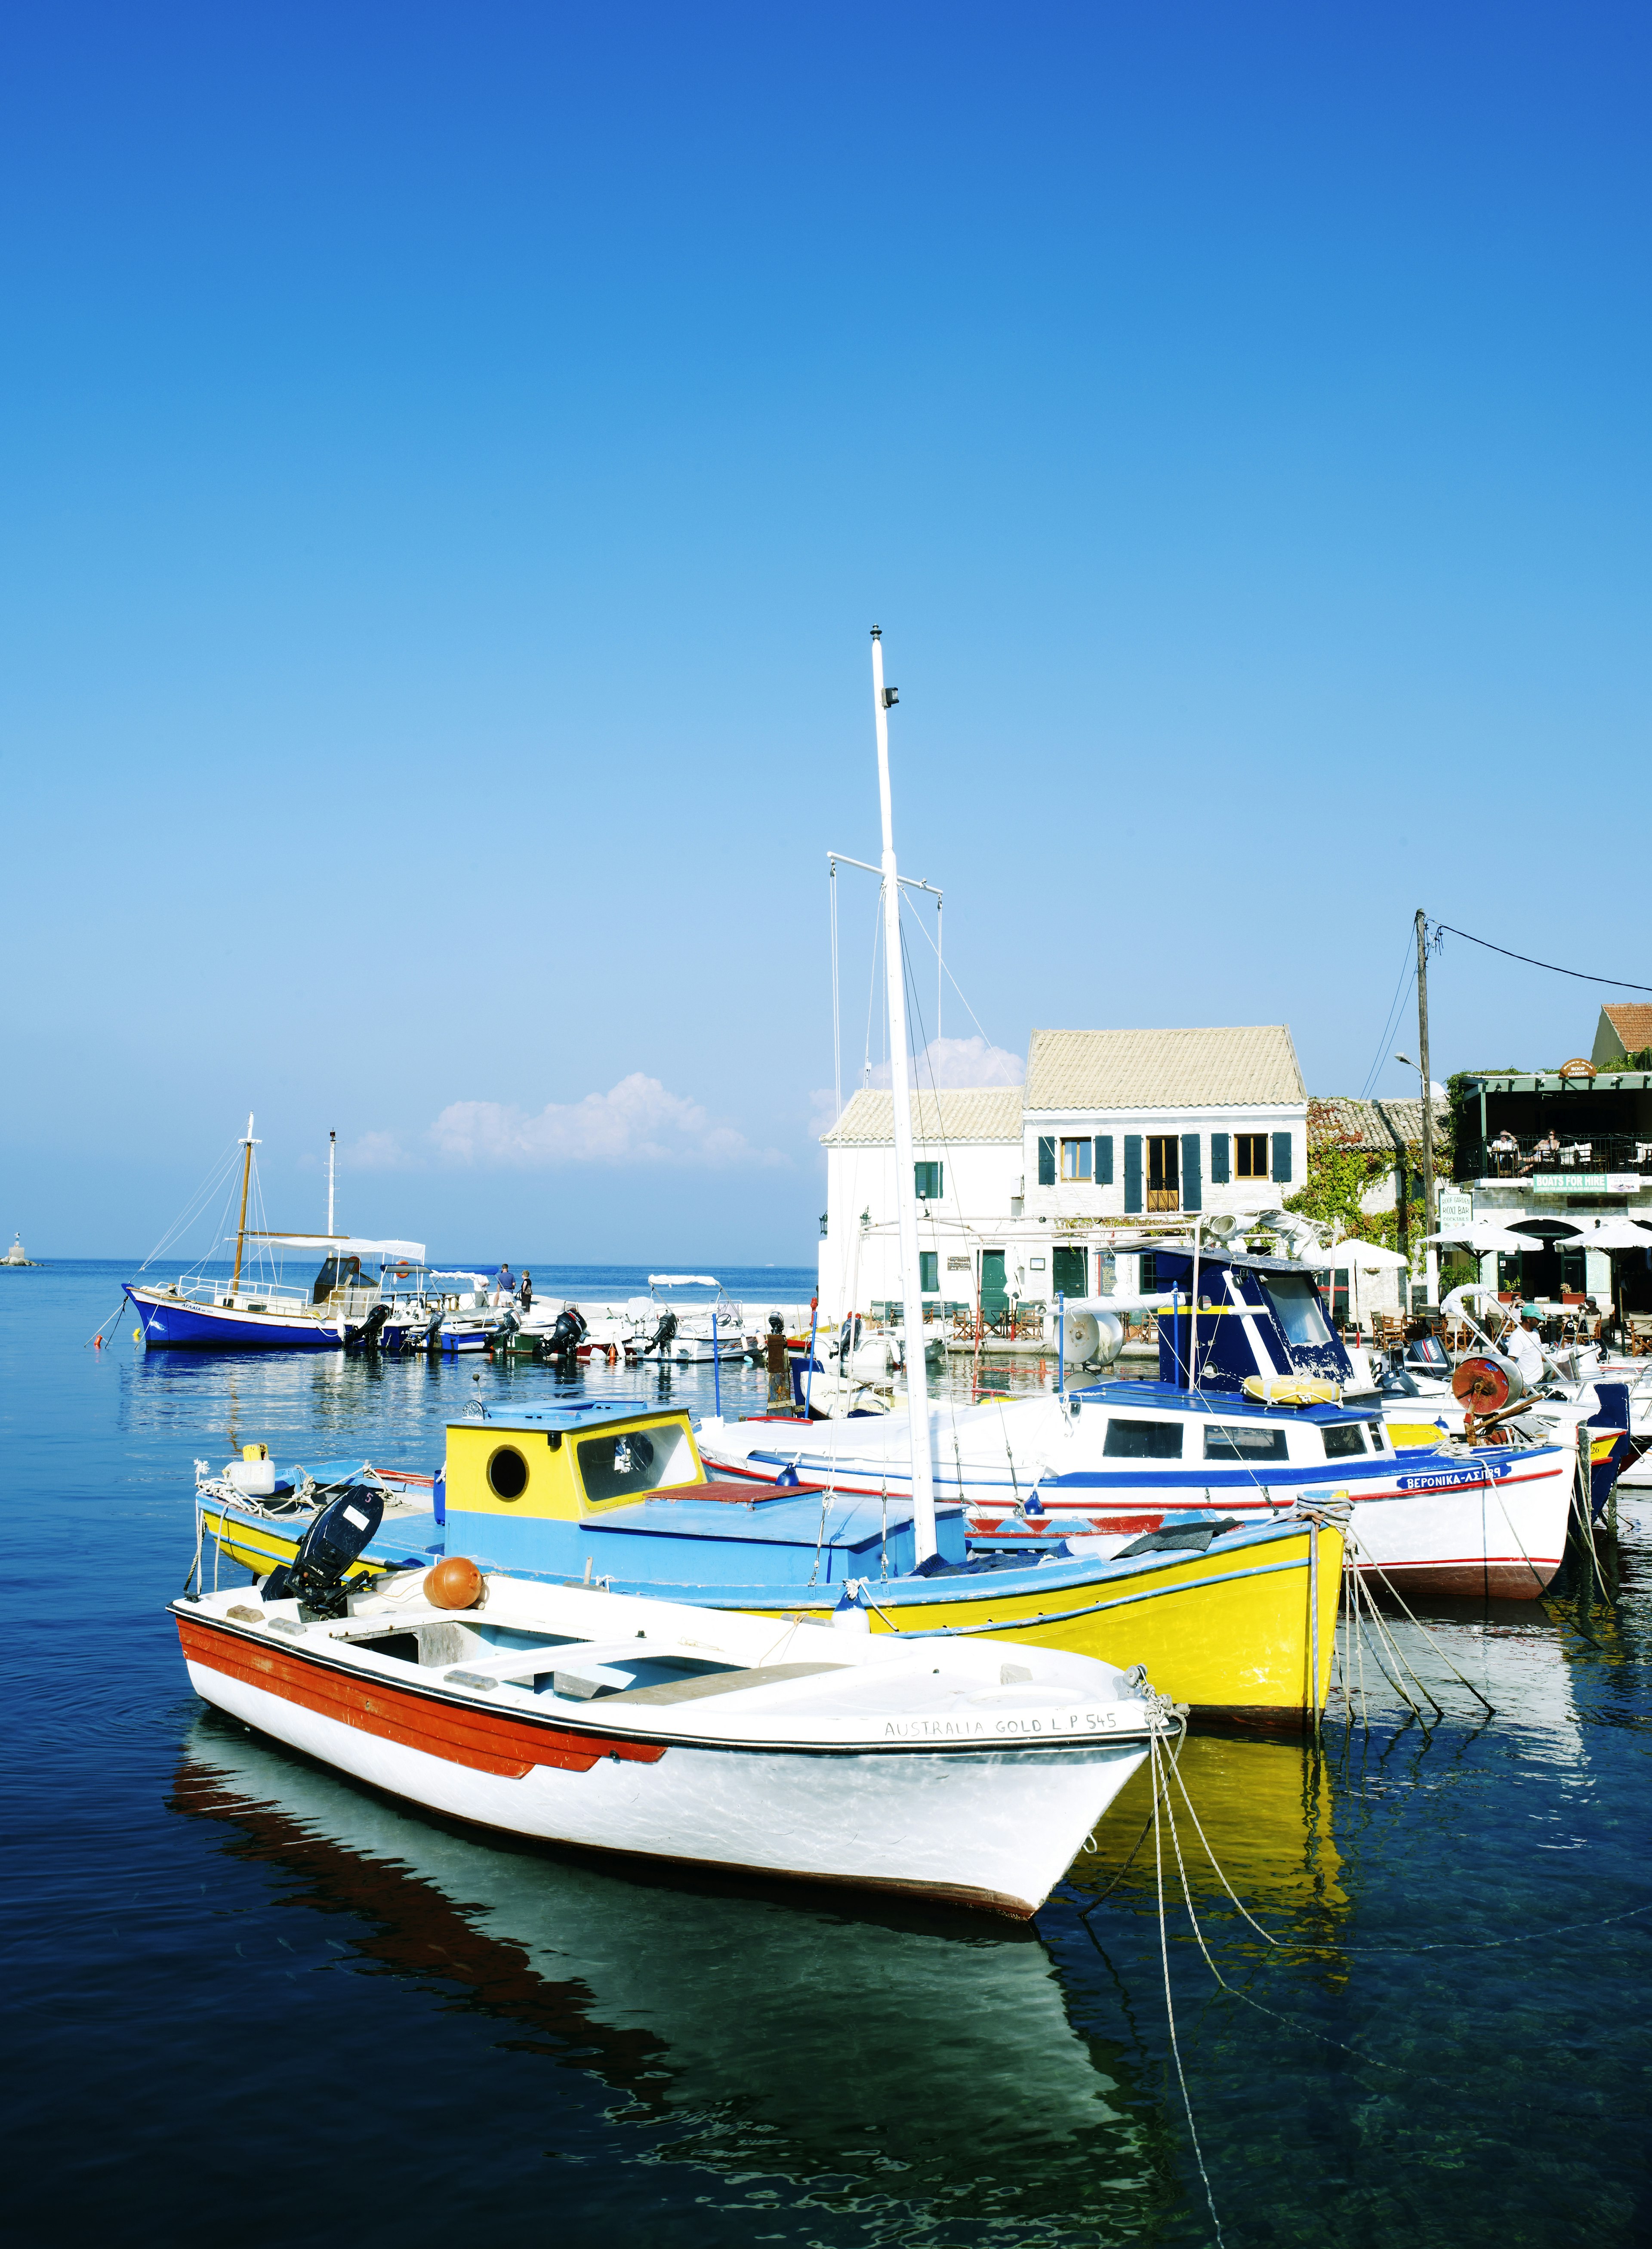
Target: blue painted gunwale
<point>176,1323</point>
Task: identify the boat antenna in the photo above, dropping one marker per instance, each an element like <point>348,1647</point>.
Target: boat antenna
<point>906,1185</point>
<point>249,1143</point>
<point>332,1160</point>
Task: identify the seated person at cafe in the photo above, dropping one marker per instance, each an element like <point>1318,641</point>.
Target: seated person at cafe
<point>1504,1149</point>
<point>1545,1155</point>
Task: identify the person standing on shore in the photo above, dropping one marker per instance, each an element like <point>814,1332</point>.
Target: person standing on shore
<point>779,1381</point>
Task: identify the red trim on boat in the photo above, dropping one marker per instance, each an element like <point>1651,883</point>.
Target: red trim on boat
<point>486,1741</point>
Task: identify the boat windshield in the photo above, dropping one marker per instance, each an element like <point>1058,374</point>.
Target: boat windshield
<point>1297,1306</point>
<point>339,1273</point>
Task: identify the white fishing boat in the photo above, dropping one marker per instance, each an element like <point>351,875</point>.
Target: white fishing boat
<point>968,1770</point>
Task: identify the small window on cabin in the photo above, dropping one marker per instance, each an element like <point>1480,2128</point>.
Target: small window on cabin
<point>1143,1440</point>
<point>1149,1280</point>
<point>1250,1155</point>
<point>1238,1441</point>
<point>1343,1440</point>
<point>926,1182</point>
<point>1077,1158</point>
<point>634,1462</point>
<point>929,1272</point>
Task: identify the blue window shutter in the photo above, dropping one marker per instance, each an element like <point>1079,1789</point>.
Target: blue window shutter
<point>1192,1172</point>
<point>1103,1159</point>
<point>1047,1160</point>
<point>1282,1159</point>
<point>1220,1144</point>
<point>1132,1171</point>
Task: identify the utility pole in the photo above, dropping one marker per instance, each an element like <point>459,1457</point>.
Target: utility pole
<point>1431,1259</point>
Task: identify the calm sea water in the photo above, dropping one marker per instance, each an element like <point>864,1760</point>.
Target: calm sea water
<point>247,2001</point>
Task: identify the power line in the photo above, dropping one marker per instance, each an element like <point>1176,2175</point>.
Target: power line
<point>1582,976</point>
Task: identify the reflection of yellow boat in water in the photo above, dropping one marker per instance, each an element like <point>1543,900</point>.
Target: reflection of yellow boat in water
<point>779,2034</point>
<point>1266,1809</point>
<point>616,1493</point>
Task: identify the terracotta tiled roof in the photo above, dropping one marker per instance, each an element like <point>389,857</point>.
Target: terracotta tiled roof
<point>1632,1021</point>
<point>1374,1125</point>
<point>1247,1063</point>
<point>990,1113</point>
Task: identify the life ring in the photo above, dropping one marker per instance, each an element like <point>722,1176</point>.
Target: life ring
<point>1291,1390</point>
<point>402,1272</point>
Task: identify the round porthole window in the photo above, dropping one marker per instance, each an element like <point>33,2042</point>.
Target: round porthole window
<point>508,1473</point>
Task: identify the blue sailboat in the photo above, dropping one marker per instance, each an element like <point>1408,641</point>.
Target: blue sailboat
<point>261,1312</point>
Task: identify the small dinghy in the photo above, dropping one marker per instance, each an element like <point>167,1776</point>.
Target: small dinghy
<point>968,1771</point>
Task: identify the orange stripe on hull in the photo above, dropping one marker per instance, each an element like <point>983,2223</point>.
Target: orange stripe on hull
<point>484,1740</point>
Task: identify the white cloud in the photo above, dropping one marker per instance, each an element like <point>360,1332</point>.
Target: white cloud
<point>377,1152</point>
<point>636,1121</point>
<point>958,1063</point>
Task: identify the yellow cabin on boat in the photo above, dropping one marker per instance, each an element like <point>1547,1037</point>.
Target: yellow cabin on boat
<point>540,1470</point>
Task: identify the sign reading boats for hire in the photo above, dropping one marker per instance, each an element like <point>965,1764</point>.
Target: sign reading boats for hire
<point>1552,1183</point>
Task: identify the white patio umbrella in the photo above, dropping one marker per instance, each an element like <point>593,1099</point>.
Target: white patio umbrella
<point>1614,1234</point>
<point>1369,1256</point>
<point>1354,1257</point>
<point>1481,1235</point>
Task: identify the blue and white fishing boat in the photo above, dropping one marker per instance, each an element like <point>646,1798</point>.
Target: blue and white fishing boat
<point>258,1309</point>
<point>1255,1413</point>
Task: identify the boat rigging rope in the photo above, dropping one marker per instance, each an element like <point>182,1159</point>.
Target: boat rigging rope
<point>1164,1955</point>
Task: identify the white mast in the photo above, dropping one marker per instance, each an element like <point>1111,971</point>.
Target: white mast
<point>905,1183</point>
<point>331,1156</point>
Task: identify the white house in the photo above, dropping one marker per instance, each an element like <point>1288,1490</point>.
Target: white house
<point>1020,1189</point>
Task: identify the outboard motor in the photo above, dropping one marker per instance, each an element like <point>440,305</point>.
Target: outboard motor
<point>566,1337</point>
<point>662,1336</point>
<point>433,1334</point>
<point>315,1575</point>
<point>365,1338</point>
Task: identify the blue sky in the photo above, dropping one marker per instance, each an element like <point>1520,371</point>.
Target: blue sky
<point>451,458</point>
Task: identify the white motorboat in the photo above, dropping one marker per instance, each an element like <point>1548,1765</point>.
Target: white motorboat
<point>693,1334</point>
<point>968,1770</point>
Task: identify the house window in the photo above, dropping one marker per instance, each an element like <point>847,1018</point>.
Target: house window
<point>1250,1155</point>
<point>928,1269</point>
<point>1164,1172</point>
<point>1076,1159</point>
<point>926,1182</point>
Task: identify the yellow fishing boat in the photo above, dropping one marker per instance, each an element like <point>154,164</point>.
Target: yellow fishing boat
<point>1238,1622</point>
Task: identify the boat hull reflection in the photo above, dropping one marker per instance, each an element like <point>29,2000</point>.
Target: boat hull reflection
<point>822,2030</point>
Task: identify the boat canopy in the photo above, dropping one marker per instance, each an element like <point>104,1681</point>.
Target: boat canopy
<point>341,1245</point>
<point>684,1280</point>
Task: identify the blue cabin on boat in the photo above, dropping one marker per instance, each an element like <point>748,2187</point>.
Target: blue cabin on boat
<point>616,1489</point>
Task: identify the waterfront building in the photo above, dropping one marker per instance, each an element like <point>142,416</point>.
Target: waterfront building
<point>1559,1155</point>
<point>1027,1192</point>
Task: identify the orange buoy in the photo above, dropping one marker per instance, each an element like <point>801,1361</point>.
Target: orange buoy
<point>455,1584</point>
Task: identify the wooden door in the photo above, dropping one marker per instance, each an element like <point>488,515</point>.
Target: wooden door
<point>1164,1172</point>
